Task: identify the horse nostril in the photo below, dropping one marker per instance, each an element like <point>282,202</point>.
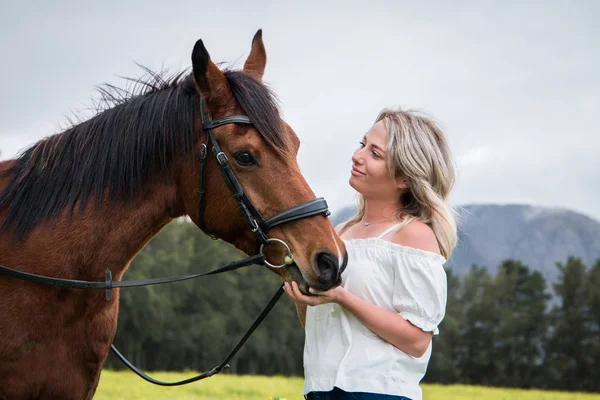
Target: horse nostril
<point>327,264</point>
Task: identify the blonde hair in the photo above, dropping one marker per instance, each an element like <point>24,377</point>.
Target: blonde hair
<point>417,151</point>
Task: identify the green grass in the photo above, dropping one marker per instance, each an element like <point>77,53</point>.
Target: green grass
<point>127,386</point>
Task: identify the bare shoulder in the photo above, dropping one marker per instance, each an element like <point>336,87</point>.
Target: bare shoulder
<point>418,235</point>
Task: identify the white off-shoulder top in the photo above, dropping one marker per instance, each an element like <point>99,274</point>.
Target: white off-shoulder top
<point>340,351</point>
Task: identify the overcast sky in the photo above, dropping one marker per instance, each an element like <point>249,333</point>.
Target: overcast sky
<point>516,85</point>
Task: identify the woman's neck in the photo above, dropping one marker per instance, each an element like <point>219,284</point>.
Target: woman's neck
<point>380,210</point>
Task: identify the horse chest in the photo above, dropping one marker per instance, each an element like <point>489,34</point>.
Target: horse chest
<point>58,352</point>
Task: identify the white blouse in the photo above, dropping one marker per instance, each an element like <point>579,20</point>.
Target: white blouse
<point>340,351</point>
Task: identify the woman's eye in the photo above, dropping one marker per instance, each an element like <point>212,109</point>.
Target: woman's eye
<point>245,159</point>
<point>375,155</point>
<point>362,144</point>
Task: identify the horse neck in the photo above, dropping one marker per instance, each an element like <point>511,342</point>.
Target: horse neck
<point>84,245</point>
<point>128,227</point>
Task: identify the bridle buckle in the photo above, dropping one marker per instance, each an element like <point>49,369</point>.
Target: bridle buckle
<point>222,158</point>
<point>202,152</point>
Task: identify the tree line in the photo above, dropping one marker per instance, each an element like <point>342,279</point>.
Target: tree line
<point>501,329</point>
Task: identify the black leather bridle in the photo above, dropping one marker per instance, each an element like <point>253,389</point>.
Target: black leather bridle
<point>258,224</point>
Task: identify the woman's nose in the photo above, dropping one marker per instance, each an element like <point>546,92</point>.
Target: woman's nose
<point>357,157</point>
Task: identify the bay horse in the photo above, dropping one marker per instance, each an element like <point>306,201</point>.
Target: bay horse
<point>88,199</point>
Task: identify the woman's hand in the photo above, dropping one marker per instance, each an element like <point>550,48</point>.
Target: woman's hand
<point>330,296</point>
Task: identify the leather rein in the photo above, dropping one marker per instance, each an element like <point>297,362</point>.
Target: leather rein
<point>258,224</point>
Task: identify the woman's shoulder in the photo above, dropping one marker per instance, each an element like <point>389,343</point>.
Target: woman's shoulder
<point>418,235</point>
<point>415,237</point>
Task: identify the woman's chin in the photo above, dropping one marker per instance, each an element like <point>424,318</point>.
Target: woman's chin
<point>355,185</point>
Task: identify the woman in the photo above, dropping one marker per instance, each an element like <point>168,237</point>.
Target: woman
<point>370,338</point>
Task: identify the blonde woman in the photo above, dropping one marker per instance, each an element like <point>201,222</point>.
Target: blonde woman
<point>370,338</point>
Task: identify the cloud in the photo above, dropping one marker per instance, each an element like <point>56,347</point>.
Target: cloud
<point>474,157</point>
<point>515,86</point>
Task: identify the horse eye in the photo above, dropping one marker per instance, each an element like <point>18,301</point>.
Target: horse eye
<point>244,159</point>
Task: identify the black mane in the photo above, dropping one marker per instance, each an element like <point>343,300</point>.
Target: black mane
<point>131,140</point>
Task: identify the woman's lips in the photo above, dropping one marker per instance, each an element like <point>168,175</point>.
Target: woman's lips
<point>356,172</point>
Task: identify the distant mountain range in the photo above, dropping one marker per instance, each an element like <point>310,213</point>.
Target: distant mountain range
<point>537,236</point>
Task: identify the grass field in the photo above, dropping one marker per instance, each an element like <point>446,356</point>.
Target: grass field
<point>127,386</point>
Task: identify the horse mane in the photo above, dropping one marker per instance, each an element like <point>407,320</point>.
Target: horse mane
<point>130,141</point>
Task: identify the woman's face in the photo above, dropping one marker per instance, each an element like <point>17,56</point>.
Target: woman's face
<point>369,175</point>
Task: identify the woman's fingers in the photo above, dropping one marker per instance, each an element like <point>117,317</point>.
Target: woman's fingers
<point>296,290</point>
<point>293,292</point>
<point>288,290</point>
<point>298,294</point>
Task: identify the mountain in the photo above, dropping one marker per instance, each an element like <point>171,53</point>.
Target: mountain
<point>537,236</point>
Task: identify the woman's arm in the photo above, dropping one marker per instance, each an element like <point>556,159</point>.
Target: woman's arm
<point>388,325</point>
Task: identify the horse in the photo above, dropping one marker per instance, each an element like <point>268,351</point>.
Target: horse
<point>88,199</point>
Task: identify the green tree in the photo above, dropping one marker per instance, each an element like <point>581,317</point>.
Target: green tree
<point>593,311</point>
<point>195,324</point>
<point>475,352</point>
<point>569,355</point>
<point>519,339</point>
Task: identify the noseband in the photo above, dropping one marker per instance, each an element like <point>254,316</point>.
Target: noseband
<point>258,224</point>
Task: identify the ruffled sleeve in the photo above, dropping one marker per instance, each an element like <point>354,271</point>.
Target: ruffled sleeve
<point>420,290</point>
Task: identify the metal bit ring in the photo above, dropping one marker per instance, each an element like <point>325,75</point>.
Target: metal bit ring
<point>288,259</point>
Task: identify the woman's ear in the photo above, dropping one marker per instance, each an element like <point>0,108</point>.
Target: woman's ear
<point>401,183</point>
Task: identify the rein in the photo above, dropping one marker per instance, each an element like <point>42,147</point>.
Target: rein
<point>258,224</point>
<point>108,285</point>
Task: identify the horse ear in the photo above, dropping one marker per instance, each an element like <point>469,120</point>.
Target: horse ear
<point>210,81</point>
<point>257,60</point>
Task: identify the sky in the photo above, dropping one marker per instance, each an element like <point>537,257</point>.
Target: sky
<point>514,84</point>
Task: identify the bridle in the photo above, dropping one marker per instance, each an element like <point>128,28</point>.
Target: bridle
<point>258,224</point>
